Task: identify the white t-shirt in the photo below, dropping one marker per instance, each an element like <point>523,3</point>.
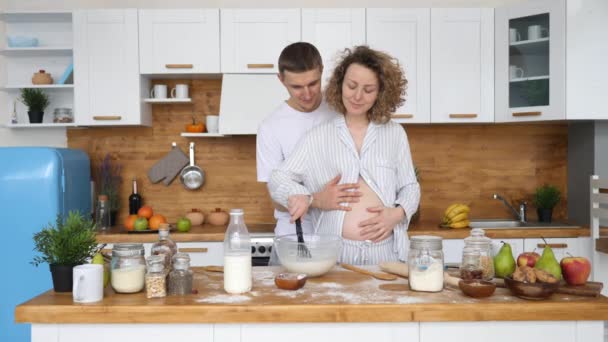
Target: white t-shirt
<point>277,136</point>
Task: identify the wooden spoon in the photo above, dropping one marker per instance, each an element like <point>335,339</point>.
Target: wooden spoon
<point>377,275</point>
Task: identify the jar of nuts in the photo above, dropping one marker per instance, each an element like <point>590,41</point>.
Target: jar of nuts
<point>156,284</point>
<point>477,256</point>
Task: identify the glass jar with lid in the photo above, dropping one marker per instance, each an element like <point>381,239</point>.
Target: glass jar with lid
<point>164,246</point>
<point>180,277</point>
<point>425,261</point>
<point>128,267</point>
<point>156,284</point>
<point>477,261</point>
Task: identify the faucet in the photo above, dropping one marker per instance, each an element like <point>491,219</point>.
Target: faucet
<point>521,215</point>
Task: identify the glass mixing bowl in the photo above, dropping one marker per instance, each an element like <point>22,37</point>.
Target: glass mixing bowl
<point>323,250</point>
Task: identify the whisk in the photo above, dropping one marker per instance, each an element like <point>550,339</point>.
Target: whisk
<point>303,251</point>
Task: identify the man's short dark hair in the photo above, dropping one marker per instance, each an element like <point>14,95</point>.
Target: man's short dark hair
<point>300,57</point>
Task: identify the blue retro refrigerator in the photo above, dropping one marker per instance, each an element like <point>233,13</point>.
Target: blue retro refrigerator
<point>36,184</point>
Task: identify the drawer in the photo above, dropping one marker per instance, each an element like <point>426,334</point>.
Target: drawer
<point>203,253</point>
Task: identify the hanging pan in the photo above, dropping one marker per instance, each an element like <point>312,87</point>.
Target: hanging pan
<point>192,176</point>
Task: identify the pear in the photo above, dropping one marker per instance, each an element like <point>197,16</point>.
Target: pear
<point>98,259</point>
<point>504,263</point>
<point>548,262</point>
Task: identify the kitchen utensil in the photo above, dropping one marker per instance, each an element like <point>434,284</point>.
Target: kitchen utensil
<point>377,275</point>
<point>533,291</point>
<point>168,167</point>
<point>590,289</point>
<point>324,250</point>
<point>477,288</point>
<point>303,252</point>
<point>402,269</point>
<point>192,176</point>
<point>218,269</point>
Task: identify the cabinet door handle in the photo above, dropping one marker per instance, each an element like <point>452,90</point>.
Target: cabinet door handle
<point>107,117</point>
<point>193,250</point>
<point>402,116</point>
<point>517,114</point>
<point>179,66</point>
<point>552,245</point>
<point>463,116</point>
<point>260,66</point>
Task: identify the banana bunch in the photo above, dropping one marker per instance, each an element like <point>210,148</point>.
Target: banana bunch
<point>456,216</point>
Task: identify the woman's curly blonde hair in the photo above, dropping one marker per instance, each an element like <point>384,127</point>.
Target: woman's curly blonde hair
<point>391,81</point>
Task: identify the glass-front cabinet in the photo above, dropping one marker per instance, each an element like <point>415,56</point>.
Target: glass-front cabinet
<point>530,62</point>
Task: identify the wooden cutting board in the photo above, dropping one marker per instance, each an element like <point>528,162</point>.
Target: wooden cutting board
<point>591,289</point>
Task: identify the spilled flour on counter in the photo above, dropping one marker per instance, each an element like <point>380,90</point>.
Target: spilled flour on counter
<point>224,298</point>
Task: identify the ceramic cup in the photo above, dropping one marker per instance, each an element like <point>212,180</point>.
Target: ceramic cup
<point>536,32</point>
<point>88,283</point>
<point>515,72</point>
<point>514,36</point>
<point>180,91</point>
<point>213,123</point>
<point>159,91</point>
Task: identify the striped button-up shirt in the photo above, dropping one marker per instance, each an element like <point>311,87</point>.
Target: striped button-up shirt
<point>384,163</point>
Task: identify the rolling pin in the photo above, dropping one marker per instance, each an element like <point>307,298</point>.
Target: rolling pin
<point>402,269</point>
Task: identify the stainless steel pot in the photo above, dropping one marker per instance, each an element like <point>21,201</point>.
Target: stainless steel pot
<point>192,176</point>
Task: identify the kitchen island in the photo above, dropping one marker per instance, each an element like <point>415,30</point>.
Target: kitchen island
<point>340,306</point>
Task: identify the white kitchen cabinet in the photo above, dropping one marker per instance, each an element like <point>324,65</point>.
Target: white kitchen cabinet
<point>332,30</point>
<point>252,39</point>
<point>179,41</point>
<point>462,65</point>
<point>517,246</point>
<point>405,33</point>
<point>106,60</point>
<point>452,250</point>
<point>203,253</point>
<point>561,246</point>
<point>530,61</point>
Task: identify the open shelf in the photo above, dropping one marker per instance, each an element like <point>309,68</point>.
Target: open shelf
<point>40,86</point>
<point>168,100</point>
<point>524,79</point>
<point>35,51</point>
<point>529,42</point>
<point>203,135</point>
<point>40,125</point>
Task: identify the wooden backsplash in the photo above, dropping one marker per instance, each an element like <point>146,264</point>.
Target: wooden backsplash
<point>457,163</point>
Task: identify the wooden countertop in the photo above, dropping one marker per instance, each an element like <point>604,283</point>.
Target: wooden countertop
<point>339,296</point>
<point>432,228</point>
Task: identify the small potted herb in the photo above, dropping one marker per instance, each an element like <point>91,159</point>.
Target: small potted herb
<point>545,198</point>
<point>36,101</point>
<point>66,244</point>
<point>108,181</point>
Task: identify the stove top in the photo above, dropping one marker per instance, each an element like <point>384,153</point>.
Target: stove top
<point>261,244</point>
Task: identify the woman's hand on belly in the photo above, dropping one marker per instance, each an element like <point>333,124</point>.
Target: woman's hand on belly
<point>381,226</point>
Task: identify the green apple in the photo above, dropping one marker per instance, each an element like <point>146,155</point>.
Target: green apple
<point>141,223</point>
<point>183,224</point>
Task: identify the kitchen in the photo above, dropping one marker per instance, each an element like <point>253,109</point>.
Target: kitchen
<point>460,158</point>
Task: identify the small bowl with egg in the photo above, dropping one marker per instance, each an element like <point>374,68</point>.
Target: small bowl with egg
<point>323,249</point>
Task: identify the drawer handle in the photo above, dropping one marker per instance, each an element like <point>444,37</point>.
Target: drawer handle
<point>260,66</point>
<point>107,117</point>
<point>193,250</point>
<point>179,66</point>
<point>463,116</point>
<point>403,116</point>
<point>527,114</point>
<point>552,245</point>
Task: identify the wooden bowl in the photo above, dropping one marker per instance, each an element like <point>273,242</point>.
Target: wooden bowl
<point>532,291</point>
<point>477,288</point>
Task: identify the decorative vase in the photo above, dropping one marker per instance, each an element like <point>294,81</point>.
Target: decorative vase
<point>544,215</point>
<point>62,277</point>
<point>41,77</point>
<point>35,116</point>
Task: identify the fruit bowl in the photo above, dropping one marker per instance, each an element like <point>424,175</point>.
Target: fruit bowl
<point>532,291</point>
<point>324,252</point>
<point>477,288</point>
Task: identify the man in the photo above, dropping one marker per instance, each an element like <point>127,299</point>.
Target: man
<point>300,68</point>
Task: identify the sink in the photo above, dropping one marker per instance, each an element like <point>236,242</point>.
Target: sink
<point>510,224</point>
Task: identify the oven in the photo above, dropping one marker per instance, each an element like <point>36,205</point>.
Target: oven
<point>261,248</point>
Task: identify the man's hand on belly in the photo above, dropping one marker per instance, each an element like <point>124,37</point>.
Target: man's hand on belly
<point>333,194</point>
<point>381,226</point>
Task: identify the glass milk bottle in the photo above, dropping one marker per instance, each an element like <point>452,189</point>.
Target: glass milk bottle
<point>237,255</point>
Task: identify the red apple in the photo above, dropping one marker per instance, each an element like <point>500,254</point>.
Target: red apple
<point>527,259</point>
<point>575,270</point>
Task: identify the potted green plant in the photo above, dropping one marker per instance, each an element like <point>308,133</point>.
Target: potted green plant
<point>66,244</point>
<point>108,181</point>
<point>545,198</point>
<point>36,101</point>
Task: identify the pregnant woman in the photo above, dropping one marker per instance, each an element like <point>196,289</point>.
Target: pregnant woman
<point>365,147</point>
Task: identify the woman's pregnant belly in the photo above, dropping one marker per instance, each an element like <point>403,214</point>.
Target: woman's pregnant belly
<point>359,213</point>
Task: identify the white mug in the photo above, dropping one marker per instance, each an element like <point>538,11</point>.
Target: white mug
<point>180,91</point>
<point>213,123</point>
<point>536,32</point>
<point>159,91</point>
<point>515,72</point>
<point>514,36</point>
<point>87,283</point>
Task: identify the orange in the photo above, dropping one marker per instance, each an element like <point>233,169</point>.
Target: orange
<point>156,220</point>
<point>130,222</point>
<point>145,211</point>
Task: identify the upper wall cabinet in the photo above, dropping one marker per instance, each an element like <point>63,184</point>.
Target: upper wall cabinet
<point>332,30</point>
<point>462,65</point>
<point>252,39</point>
<point>530,62</point>
<point>107,81</point>
<point>179,41</point>
<point>406,35</point>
